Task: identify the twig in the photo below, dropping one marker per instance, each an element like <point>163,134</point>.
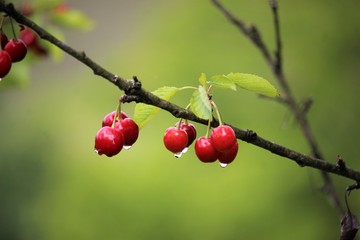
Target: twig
<point>276,66</point>
<point>135,92</point>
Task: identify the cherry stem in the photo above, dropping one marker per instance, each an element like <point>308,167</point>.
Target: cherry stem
<point>346,201</point>
<point>117,114</point>
<point>217,112</point>
<point>178,125</point>
<point>2,22</point>
<point>12,28</point>
<point>187,108</point>
<point>208,129</point>
<point>118,111</point>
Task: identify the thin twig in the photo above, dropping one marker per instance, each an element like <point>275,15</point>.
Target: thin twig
<point>134,90</point>
<point>276,65</point>
<point>301,117</point>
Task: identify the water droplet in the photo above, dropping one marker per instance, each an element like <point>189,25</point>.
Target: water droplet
<point>185,150</point>
<point>178,155</point>
<point>126,147</point>
<point>0,79</point>
<point>96,151</point>
<point>223,165</point>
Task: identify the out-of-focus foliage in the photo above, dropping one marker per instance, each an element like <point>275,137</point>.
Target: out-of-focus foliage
<point>53,15</point>
<point>53,185</point>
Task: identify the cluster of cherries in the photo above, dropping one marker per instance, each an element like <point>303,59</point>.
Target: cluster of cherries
<point>118,131</point>
<point>13,50</point>
<point>221,145</point>
<point>177,139</point>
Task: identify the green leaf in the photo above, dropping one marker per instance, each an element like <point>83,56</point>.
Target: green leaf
<point>222,81</point>
<point>41,5</point>
<point>202,79</point>
<point>200,103</point>
<point>144,112</point>
<point>253,83</point>
<point>73,19</point>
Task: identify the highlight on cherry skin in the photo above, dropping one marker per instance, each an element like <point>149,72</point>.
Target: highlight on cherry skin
<point>223,138</point>
<point>205,150</point>
<point>109,141</point>
<point>130,130</point>
<point>17,49</point>
<point>221,145</point>
<point>175,140</point>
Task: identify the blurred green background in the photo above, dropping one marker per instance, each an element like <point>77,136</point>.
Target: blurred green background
<point>54,187</point>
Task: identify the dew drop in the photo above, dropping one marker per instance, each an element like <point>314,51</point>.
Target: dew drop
<point>0,79</point>
<point>178,155</point>
<point>185,150</point>
<point>126,147</point>
<point>223,165</point>
<point>96,151</point>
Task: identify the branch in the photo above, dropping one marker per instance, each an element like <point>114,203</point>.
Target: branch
<point>135,92</point>
<point>275,65</point>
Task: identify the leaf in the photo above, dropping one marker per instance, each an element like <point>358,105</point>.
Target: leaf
<point>41,5</point>
<point>72,18</point>
<point>222,81</point>
<point>144,112</point>
<point>202,79</point>
<point>200,103</point>
<point>253,83</point>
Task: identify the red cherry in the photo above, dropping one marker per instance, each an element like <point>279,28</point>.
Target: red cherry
<point>175,140</point>
<point>5,63</point>
<point>109,141</point>
<point>191,132</point>
<point>205,150</point>
<point>109,118</point>
<point>28,36</point>
<point>16,49</point>
<point>223,138</point>
<point>229,156</point>
<point>4,40</point>
<point>130,131</point>
<point>31,40</point>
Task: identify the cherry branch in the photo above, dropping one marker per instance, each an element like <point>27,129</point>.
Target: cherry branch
<point>135,92</point>
<point>275,63</point>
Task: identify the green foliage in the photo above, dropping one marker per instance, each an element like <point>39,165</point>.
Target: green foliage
<point>249,82</point>
<point>73,19</point>
<point>200,104</point>
<point>55,16</point>
<point>42,5</point>
<point>222,81</point>
<point>202,79</point>
<point>143,112</point>
<point>53,186</point>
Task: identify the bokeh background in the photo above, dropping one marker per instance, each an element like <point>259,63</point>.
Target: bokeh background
<point>54,187</point>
